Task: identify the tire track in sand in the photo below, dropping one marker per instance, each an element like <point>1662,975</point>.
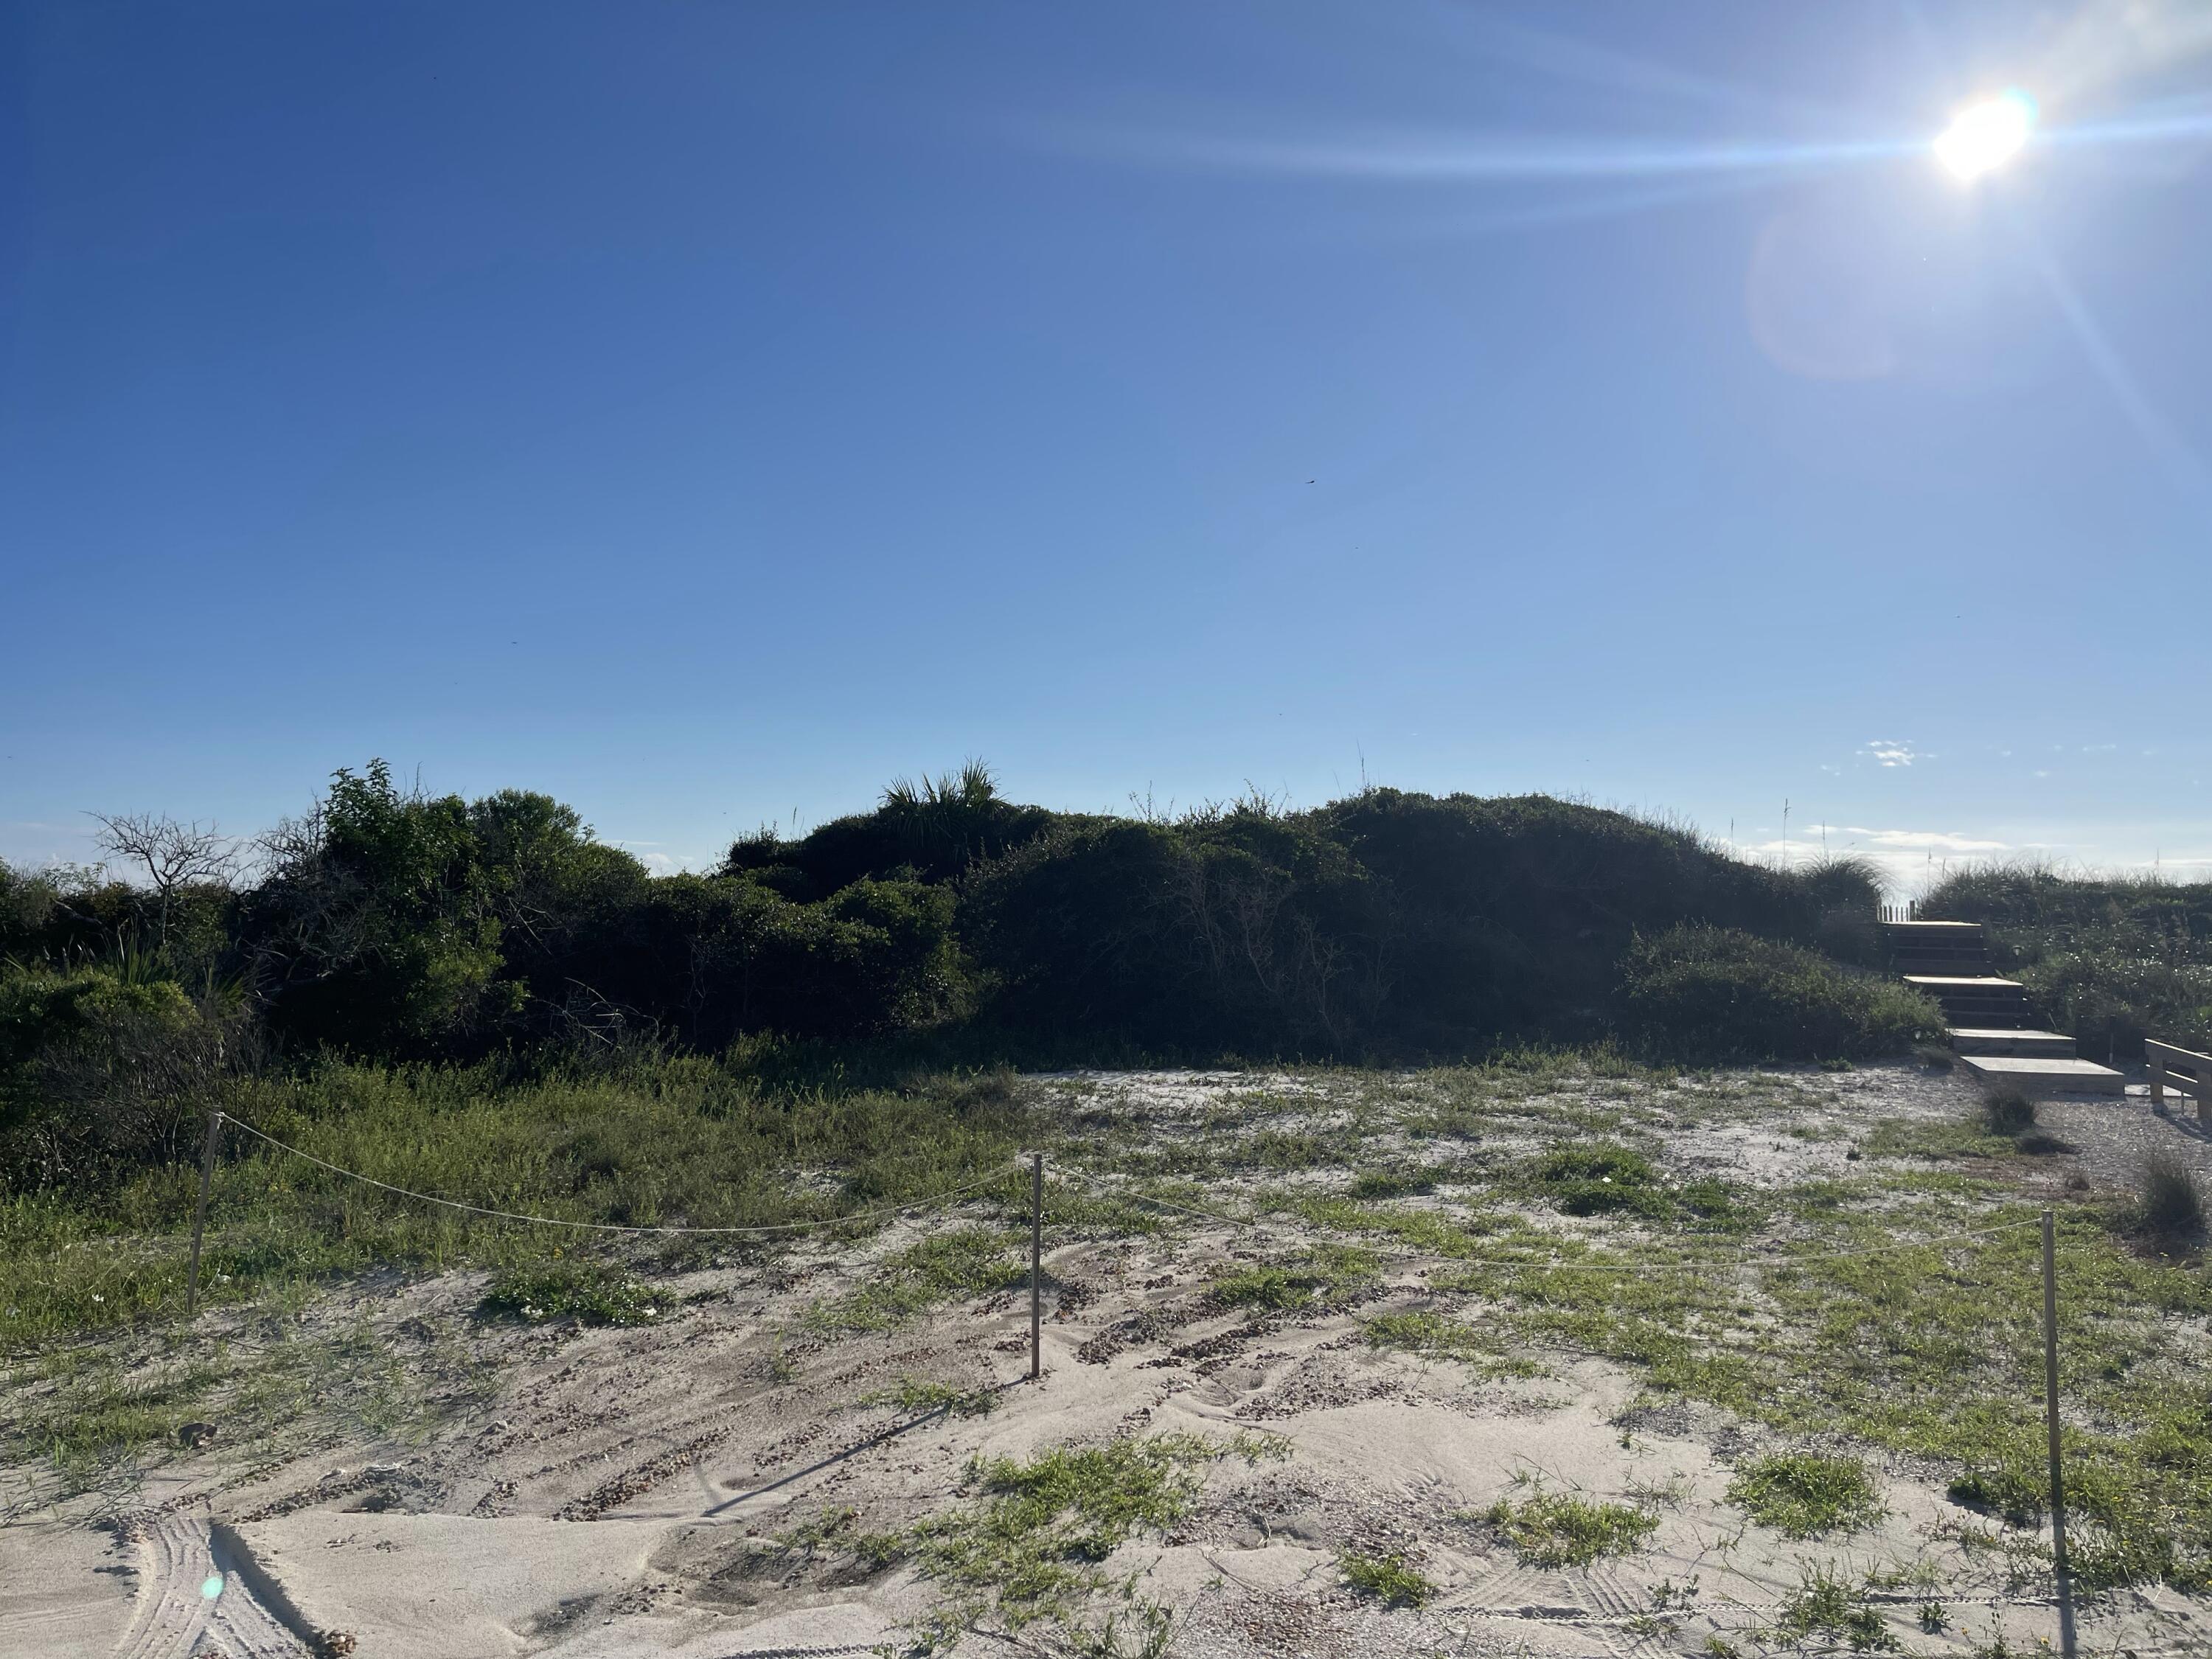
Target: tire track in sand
<point>179,1557</point>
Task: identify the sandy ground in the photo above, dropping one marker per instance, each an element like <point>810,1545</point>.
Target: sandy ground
<point>616,1493</point>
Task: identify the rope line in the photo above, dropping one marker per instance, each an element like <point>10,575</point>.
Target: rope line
<point>1099,1184</point>
<point>614,1227</point>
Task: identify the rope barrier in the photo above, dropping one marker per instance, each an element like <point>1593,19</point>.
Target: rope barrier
<point>1098,1184</point>
<point>615,1227</point>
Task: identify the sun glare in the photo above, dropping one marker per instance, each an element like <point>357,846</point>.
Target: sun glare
<point>1983,137</point>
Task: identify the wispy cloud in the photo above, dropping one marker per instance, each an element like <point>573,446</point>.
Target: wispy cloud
<point>1893,752</point>
<point>1943,841</point>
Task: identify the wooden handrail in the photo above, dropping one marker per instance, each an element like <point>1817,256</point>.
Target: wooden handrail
<point>2184,1070</point>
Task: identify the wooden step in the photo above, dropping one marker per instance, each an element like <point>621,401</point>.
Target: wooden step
<point>1986,1040</point>
<point>2038,1075</point>
<point>1977,1002</point>
<point>1950,967</point>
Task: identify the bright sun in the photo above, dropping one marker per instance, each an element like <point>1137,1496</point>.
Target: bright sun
<point>1983,137</point>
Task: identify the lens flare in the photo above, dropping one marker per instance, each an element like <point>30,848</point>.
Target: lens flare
<point>1983,137</point>
<point>212,1587</point>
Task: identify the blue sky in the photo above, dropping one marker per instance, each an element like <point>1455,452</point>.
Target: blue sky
<point>704,413</point>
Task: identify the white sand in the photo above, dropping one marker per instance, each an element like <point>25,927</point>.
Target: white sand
<point>678,1449</point>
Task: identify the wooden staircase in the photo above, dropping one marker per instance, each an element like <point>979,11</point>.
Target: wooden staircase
<point>1992,1028</point>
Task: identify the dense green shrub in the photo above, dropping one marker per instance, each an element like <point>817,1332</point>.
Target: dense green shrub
<point>1238,929</point>
<point>1715,993</point>
<point>392,924</point>
<point>1512,914</point>
<point>935,830</point>
<point>102,1067</point>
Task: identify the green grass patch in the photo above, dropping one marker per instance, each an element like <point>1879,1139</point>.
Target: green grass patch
<point>1806,1495</point>
<point>668,1140</point>
<point>1602,1177</point>
<point>1938,1139</point>
<point>1606,1177</point>
<point>592,1292</point>
<point>913,1394</point>
<point>1327,1278</point>
<point>956,1266</point>
<point>1826,1607</point>
<point>1390,1579</point>
<point>1558,1529</point>
<point>1029,1545</point>
<point>1430,1231</point>
<point>1931,1352</point>
<point>1432,1332</point>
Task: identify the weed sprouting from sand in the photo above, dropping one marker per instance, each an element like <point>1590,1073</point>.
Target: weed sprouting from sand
<point>1029,1545</point>
<point>1558,1529</point>
<point>2169,1202</point>
<point>1372,1184</point>
<point>2008,1111</point>
<point>1146,1635</point>
<point>1327,1277</point>
<point>1430,1332</point>
<point>1806,1495</point>
<point>1825,1605</point>
<point>592,1292</point>
<point>1603,1176</point>
<point>1392,1580</point>
<point>913,1394</point>
<point>968,1261</point>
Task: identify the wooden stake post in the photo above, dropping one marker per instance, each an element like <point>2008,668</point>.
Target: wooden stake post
<point>1036,1265</point>
<point>2060,1566</point>
<point>199,1210</point>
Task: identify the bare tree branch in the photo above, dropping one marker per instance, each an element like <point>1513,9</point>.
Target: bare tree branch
<point>173,855</point>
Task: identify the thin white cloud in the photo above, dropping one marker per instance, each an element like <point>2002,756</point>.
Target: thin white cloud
<point>1943,841</point>
<point>1893,752</point>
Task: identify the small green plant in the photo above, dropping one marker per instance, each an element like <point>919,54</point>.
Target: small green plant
<point>1329,1277</point>
<point>911,1394</point>
<point>1603,1176</point>
<point>1805,1495</point>
<point>1935,1618</point>
<point>1555,1530</point>
<point>2004,1492</point>
<point>1029,1545</point>
<point>2169,1202</point>
<point>968,1261</point>
<point>1146,1635</point>
<point>1390,1579</point>
<point>1826,1606</point>
<point>2008,1111</point>
<point>1661,1620</point>
<point>589,1291</point>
